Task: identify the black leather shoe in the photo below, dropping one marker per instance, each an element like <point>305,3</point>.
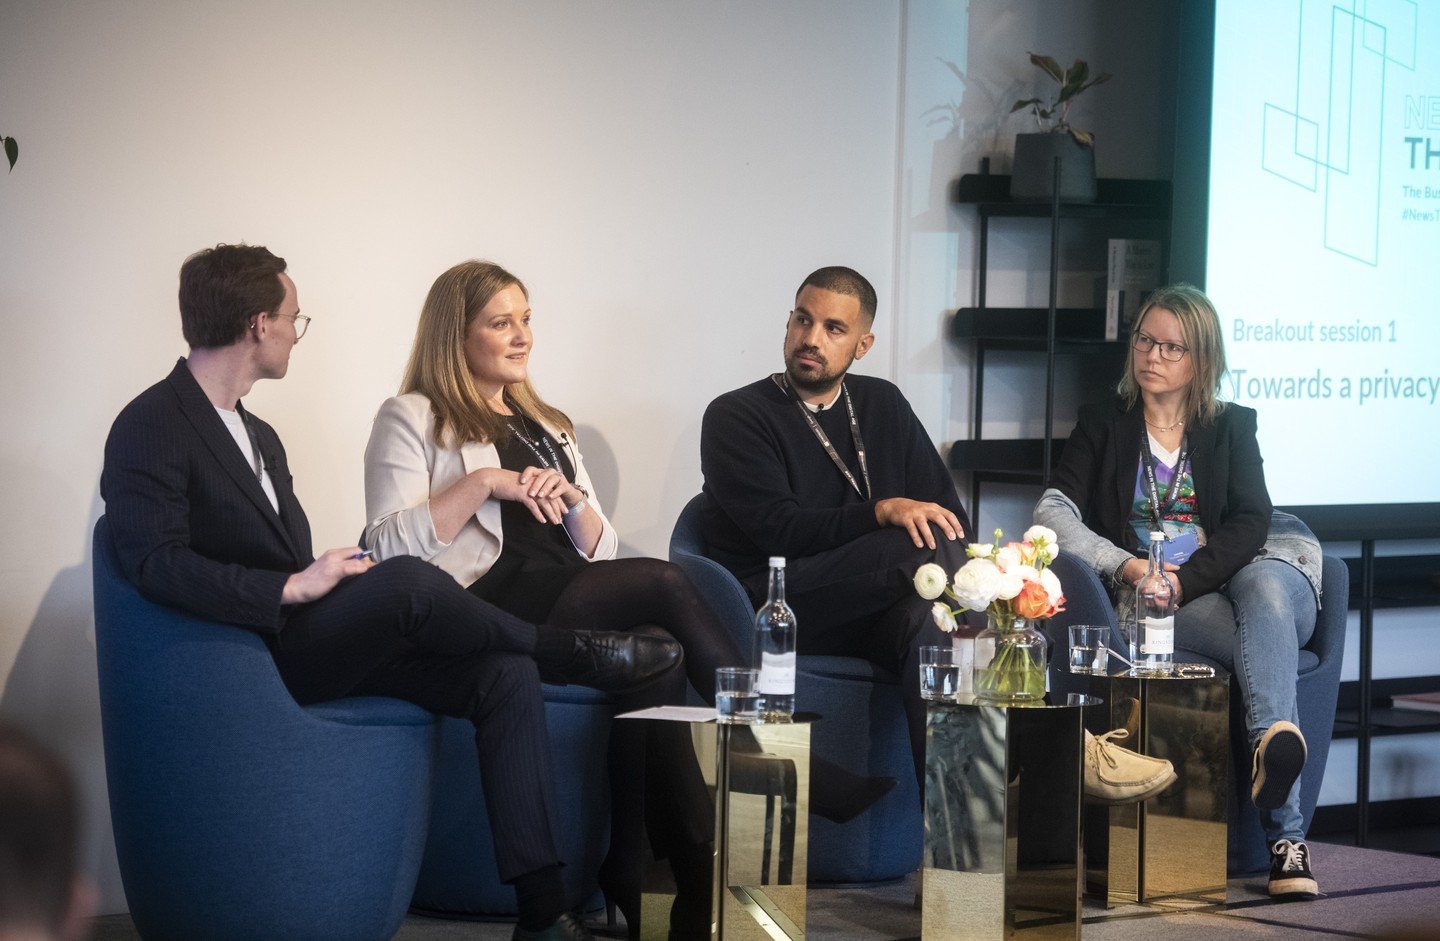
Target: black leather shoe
<point>613,662</point>
<point>566,928</point>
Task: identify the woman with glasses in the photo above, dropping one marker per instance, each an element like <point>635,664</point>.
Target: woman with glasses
<point>1167,455</point>
<point>471,470</point>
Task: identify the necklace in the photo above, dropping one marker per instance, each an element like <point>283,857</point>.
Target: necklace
<point>1165,427</point>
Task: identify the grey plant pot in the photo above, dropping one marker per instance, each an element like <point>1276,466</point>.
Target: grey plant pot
<point>1032,174</point>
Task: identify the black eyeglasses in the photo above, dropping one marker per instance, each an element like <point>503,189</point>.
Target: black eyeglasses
<point>1170,352</point>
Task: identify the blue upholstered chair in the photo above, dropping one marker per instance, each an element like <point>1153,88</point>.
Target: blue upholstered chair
<point>1317,686</point>
<point>238,814</point>
<point>458,877</point>
<point>863,730</point>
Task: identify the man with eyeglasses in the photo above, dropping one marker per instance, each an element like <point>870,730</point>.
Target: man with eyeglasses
<point>204,518</point>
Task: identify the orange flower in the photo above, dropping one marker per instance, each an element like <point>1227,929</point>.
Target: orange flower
<point>1032,602</point>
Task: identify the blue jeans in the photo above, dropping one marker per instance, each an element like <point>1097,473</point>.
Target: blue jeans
<point>1255,626</point>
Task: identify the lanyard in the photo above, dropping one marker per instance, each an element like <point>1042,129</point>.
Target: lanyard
<point>533,445</point>
<point>781,381</point>
<point>1147,461</point>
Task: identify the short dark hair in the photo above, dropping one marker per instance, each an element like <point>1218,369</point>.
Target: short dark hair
<point>39,835</point>
<point>221,288</point>
<point>844,280</point>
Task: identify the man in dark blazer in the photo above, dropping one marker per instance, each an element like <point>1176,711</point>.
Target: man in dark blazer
<point>204,517</point>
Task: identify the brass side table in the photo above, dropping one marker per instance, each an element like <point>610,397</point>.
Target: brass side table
<point>1171,849</point>
<point>758,777</point>
<point>1002,820</point>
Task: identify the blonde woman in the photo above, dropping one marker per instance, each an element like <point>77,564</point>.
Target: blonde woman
<point>1167,454</point>
<point>471,470</point>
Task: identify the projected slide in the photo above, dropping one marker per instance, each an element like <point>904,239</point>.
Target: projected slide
<point>1324,241</point>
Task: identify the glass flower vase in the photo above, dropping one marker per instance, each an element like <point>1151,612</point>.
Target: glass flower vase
<point>1010,658</point>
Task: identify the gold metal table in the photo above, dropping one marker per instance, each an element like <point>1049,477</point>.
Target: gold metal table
<point>1002,820</point>
<point>759,778</point>
<point>1170,850</point>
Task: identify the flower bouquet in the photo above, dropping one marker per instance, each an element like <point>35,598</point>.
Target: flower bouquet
<point>1013,585</point>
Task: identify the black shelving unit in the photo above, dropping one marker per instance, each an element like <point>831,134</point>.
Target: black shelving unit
<point>1411,581</point>
<point>1049,330</point>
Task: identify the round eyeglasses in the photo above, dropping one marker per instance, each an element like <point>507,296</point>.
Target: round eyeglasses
<point>1170,352</point>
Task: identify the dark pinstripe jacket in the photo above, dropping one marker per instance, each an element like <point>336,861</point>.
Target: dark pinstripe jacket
<point>191,524</point>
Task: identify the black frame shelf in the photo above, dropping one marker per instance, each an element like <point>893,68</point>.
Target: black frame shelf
<point>1050,330</point>
<point>1114,199</point>
<point>1407,581</point>
<point>1009,456</point>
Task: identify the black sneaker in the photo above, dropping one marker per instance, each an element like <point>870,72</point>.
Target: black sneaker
<point>1278,758</point>
<point>1290,874</point>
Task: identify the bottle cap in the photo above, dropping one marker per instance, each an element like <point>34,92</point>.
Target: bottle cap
<point>777,561</point>
<point>1157,537</point>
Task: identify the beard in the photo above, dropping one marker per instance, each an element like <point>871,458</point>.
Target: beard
<point>813,380</point>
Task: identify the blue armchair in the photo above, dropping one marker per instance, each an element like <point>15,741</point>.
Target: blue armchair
<point>238,814</point>
<point>1317,686</point>
<point>863,730</point>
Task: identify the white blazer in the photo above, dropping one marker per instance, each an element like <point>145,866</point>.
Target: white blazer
<point>404,465</point>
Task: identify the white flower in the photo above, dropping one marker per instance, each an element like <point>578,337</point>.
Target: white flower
<point>1026,572</point>
<point>1008,558</point>
<point>1037,533</point>
<point>977,584</point>
<point>1051,583</point>
<point>980,550</point>
<point>1047,544</point>
<point>1010,585</point>
<point>943,617</point>
<point>930,581</point>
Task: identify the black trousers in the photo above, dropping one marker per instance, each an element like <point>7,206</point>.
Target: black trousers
<point>654,779</point>
<point>859,600</point>
<point>405,629</point>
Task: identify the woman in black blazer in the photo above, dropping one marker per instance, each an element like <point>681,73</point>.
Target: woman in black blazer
<point>1241,604</point>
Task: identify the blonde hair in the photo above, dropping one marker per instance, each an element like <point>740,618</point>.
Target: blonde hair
<point>437,367</point>
<point>1200,329</point>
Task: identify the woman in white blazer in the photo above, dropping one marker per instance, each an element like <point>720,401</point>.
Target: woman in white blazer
<point>471,470</point>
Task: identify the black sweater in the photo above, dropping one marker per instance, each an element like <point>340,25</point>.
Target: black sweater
<point>770,488</point>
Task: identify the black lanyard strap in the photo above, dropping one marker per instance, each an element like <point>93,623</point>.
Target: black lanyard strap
<point>549,460</point>
<point>783,382</point>
<point>1147,461</point>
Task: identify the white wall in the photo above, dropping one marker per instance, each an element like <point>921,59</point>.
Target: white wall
<point>661,174</point>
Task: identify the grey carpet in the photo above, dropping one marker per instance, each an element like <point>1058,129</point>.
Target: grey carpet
<point>1368,894</point>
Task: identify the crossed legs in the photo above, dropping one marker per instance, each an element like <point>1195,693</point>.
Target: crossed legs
<point>1255,626</point>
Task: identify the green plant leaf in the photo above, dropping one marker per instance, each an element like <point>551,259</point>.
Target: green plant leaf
<point>12,151</point>
<point>1051,67</point>
<point>1084,138</point>
<point>1077,73</point>
<point>1024,104</point>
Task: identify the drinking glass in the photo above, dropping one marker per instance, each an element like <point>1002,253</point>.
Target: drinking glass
<point>939,673</point>
<point>1088,652</point>
<point>735,694</point>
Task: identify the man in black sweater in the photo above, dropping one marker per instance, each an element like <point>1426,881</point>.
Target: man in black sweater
<point>837,475</point>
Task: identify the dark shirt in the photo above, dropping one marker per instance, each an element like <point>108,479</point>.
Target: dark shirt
<point>770,488</point>
<point>530,546</point>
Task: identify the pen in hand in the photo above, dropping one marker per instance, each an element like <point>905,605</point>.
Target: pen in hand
<point>364,554</point>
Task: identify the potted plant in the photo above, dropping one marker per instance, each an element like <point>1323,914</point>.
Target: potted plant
<point>1032,175</point>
